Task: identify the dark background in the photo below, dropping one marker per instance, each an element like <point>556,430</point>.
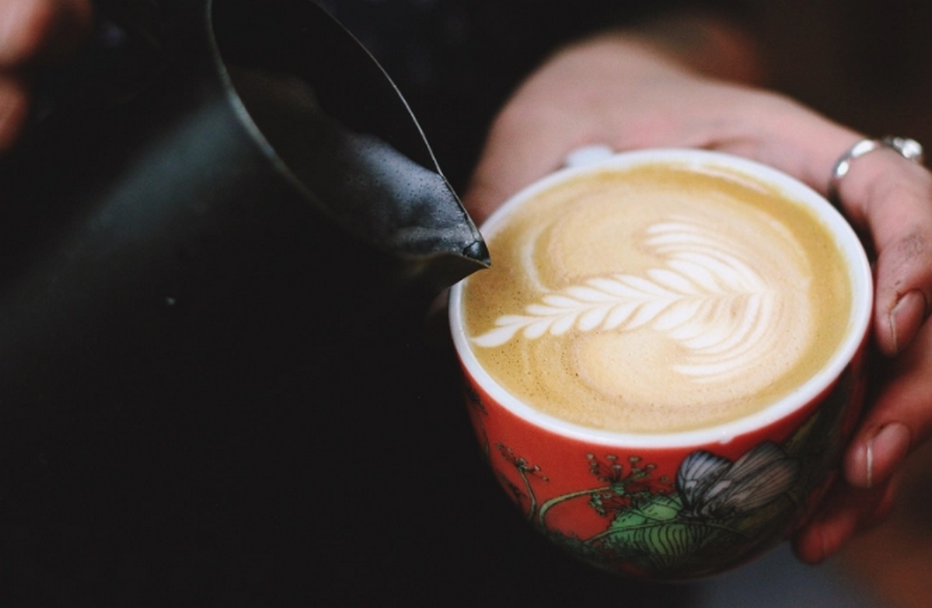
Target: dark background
<point>367,489</point>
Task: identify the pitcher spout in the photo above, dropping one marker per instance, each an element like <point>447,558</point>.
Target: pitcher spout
<point>367,168</point>
<point>478,251</point>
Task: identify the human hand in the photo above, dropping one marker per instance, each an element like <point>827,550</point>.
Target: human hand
<point>32,33</point>
<point>622,91</point>
<point>890,200</point>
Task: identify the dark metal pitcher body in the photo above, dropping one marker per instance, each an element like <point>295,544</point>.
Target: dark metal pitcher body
<point>181,237</point>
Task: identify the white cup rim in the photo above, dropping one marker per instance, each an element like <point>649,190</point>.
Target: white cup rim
<point>862,308</point>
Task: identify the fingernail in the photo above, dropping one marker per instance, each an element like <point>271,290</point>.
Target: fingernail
<point>905,318</point>
<point>885,450</point>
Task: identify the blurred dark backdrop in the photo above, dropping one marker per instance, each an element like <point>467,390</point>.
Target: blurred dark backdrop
<point>295,502</point>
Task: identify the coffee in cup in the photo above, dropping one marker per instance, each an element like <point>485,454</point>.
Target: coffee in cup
<point>657,298</point>
<point>664,362</point>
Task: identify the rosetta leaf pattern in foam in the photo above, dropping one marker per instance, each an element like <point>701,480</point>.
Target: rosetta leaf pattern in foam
<point>703,296</point>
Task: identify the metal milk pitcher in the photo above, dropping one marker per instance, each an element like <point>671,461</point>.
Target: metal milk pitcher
<point>202,199</point>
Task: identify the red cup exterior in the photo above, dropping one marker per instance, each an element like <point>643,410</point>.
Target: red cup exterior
<point>672,513</point>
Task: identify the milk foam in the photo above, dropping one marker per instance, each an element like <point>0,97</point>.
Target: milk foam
<point>642,302</point>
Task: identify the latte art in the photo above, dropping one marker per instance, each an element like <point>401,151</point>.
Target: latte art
<point>656,299</point>
<point>720,310</point>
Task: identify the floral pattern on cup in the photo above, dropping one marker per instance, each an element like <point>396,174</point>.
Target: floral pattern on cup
<point>711,514</point>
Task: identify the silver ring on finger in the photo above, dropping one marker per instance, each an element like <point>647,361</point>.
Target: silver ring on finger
<point>910,149</point>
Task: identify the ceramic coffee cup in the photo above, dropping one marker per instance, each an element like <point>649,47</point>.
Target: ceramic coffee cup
<point>665,361</point>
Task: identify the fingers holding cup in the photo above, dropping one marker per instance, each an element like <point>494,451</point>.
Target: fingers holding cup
<point>889,197</point>
<point>898,420</point>
<point>845,512</point>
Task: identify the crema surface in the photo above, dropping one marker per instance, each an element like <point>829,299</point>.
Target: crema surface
<point>655,299</point>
